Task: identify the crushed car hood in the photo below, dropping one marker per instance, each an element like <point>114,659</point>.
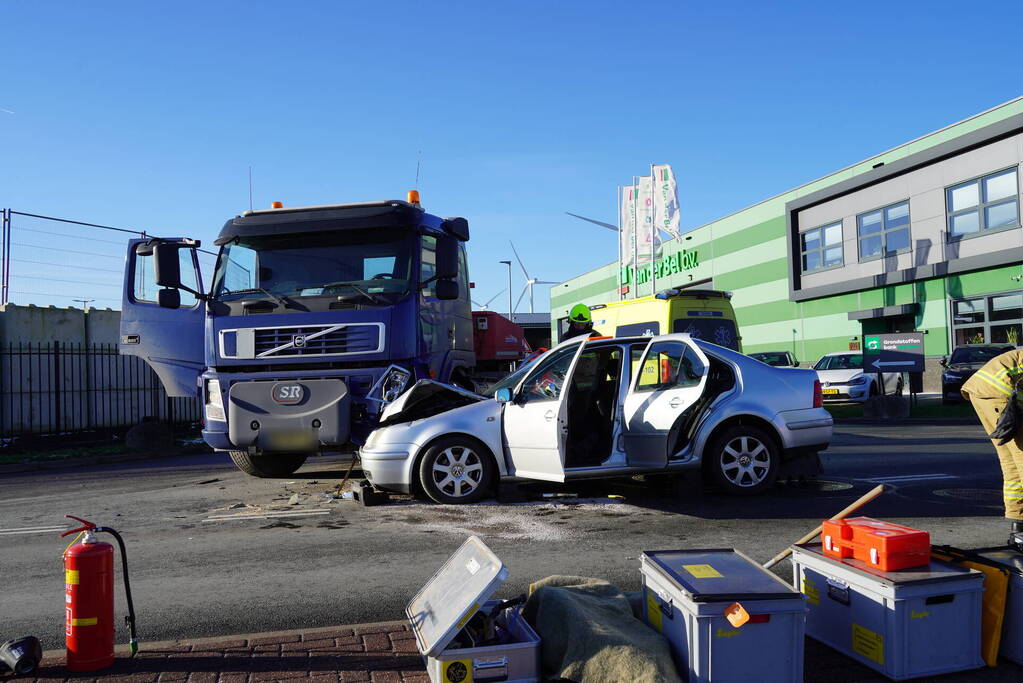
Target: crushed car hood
<point>425,399</point>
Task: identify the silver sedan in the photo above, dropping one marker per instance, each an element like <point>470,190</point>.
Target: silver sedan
<point>599,407</point>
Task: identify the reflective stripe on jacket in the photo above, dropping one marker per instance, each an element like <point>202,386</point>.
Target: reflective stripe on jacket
<point>996,378</point>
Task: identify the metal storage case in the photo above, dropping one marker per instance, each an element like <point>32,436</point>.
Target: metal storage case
<point>448,601</point>
<point>905,624</point>
<point>1012,627</point>
<point>686,593</point>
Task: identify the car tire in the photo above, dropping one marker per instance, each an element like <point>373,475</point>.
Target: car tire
<point>265,466</point>
<point>743,460</point>
<point>456,470</point>
<point>873,390</point>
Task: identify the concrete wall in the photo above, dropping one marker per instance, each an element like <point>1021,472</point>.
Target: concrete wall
<point>38,325</point>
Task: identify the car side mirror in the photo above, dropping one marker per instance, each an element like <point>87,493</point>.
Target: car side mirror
<point>503,395</point>
<point>446,290</point>
<point>166,265</point>
<point>169,298</point>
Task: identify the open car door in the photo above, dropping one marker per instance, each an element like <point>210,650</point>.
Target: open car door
<point>669,378</point>
<point>536,420</point>
<point>169,339</point>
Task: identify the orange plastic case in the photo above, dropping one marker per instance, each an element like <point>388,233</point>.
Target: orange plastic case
<point>889,547</point>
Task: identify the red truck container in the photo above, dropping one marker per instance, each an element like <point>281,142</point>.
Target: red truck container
<point>889,547</point>
<point>496,339</point>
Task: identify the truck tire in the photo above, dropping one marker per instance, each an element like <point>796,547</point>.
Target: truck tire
<point>457,469</point>
<point>264,466</point>
<point>743,460</point>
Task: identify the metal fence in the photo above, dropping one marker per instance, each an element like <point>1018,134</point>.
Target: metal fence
<point>59,388</point>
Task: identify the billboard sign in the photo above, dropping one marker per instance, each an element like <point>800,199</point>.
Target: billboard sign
<point>899,352</point>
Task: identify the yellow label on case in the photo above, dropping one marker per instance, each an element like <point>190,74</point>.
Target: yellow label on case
<point>458,671</point>
<point>91,621</point>
<point>468,615</point>
<point>868,644</point>
<point>71,577</point>
<point>811,591</point>
<point>653,611</point>
<point>702,571</point>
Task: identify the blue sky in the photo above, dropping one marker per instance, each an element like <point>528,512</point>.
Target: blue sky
<point>149,115</point>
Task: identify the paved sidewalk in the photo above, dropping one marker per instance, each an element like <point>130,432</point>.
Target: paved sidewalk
<point>372,653</point>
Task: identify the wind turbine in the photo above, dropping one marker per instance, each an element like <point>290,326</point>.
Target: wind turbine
<point>486,306</point>
<point>530,281</point>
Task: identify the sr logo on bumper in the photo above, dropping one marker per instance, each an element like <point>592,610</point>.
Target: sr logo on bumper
<point>287,393</point>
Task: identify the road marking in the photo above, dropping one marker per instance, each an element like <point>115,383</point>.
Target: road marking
<point>910,477</point>
<point>266,515</point>
<point>32,530</point>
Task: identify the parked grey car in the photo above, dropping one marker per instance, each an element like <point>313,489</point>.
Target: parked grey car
<point>604,408</point>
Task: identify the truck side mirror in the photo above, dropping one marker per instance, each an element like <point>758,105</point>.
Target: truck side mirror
<point>447,257</point>
<point>446,290</point>
<point>169,298</point>
<point>166,265</point>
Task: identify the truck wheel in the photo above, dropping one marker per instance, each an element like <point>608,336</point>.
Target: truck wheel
<point>267,465</point>
<point>456,469</point>
<point>743,460</point>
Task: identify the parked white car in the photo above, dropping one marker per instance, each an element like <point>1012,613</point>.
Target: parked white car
<point>843,379</point>
<point>600,408</point>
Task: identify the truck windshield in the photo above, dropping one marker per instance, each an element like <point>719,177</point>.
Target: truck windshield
<point>371,266</point>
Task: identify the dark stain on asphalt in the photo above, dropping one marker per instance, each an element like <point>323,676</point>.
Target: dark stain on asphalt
<point>281,525</point>
<point>333,524</point>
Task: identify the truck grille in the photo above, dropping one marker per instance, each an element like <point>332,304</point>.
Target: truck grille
<point>317,340</point>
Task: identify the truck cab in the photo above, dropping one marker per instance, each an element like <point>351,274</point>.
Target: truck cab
<point>315,317</point>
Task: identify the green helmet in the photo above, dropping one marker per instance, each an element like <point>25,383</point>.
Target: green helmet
<point>580,313</point>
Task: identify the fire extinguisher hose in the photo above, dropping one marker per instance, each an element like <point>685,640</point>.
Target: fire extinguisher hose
<point>133,641</point>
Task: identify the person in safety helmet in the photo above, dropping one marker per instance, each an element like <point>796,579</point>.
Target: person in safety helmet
<point>996,393</point>
<point>579,322</point>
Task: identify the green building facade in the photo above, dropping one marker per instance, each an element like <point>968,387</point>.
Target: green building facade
<point>925,236</point>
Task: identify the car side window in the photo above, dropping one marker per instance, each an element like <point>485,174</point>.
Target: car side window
<point>546,382</point>
<point>670,365</point>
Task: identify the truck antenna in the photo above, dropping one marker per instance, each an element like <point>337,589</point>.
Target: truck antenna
<point>419,161</point>
<point>250,188</point>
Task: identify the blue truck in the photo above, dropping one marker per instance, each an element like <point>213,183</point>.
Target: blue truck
<point>316,317</point>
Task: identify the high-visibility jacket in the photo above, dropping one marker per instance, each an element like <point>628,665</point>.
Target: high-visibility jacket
<point>997,378</point>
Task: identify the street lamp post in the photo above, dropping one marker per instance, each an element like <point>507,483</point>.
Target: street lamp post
<point>508,263</point>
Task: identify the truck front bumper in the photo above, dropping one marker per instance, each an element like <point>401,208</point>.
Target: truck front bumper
<point>287,416</point>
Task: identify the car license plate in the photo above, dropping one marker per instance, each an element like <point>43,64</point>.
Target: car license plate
<point>830,391</point>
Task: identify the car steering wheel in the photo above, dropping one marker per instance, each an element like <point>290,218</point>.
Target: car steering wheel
<point>381,276</point>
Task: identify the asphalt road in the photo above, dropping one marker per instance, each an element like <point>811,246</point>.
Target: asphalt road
<point>203,563</point>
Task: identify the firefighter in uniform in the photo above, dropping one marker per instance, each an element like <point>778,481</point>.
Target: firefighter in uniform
<point>990,390</point>
<point>580,322</point>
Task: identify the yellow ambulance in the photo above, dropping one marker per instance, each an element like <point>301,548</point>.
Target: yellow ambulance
<point>705,314</point>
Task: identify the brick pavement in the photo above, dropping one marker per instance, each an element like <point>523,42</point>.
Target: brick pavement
<point>371,653</point>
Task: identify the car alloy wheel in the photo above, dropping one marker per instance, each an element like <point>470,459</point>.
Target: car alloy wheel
<point>457,471</point>
<point>745,461</point>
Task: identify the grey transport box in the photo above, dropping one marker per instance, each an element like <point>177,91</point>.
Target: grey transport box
<point>915,622</point>
<point>1012,628</point>
<point>448,601</point>
<point>685,596</point>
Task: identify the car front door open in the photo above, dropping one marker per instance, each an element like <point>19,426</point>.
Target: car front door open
<point>536,421</point>
<point>669,377</point>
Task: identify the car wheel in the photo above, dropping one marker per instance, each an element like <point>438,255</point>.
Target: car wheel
<point>873,389</point>
<point>264,466</point>
<point>456,469</point>
<point>744,460</point>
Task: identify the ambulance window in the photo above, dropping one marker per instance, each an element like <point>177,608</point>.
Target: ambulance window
<point>670,365</point>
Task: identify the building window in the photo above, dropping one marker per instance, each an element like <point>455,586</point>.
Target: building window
<point>883,232</point>
<point>988,203</point>
<point>996,319</point>
<point>822,247</point>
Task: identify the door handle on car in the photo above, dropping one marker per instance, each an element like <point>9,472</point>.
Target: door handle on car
<point>549,415</point>
<point>675,402</point>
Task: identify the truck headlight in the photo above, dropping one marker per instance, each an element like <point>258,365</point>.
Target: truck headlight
<point>214,402</point>
<point>394,383</point>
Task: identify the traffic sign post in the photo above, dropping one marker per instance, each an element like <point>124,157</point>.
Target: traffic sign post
<point>899,352</point>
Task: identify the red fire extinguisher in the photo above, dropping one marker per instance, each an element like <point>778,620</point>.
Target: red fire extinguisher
<point>89,598</point>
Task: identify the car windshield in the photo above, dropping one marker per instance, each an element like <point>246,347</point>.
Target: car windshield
<point>511,380</point>
<point>977,354</point>
<point>371,266</point>
<point>771,358</point>
<point>845,361</point>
